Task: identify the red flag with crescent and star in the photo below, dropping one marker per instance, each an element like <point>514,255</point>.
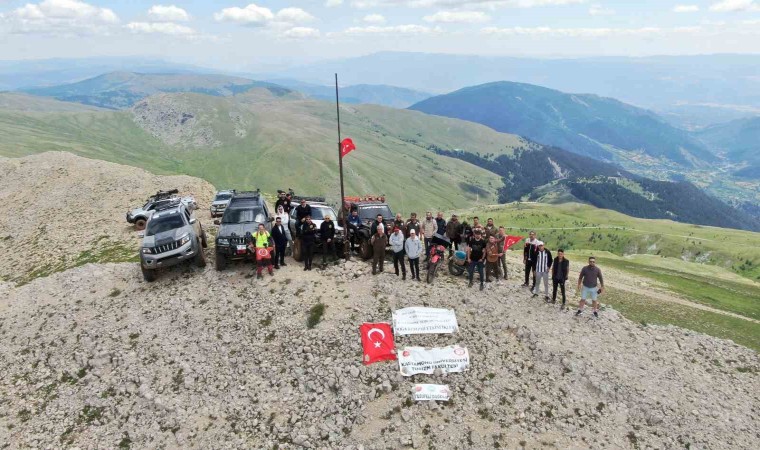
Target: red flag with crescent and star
<point>377,341</point>
<point>511,240</point>
<point>346,147</point>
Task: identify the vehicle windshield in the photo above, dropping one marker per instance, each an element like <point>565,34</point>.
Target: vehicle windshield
<point>243,215</point>
<point>371,211</point>
<point>166,223</point>
<point>220,197</point>
<point>319,212</point>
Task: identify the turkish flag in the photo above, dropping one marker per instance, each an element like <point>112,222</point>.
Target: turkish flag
<point>511,240</point>
<point>346,147</point>
<point>377,341</point>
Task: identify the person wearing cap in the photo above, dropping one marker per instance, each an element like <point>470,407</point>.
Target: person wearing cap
<point>412,224</point>
<point>302,211</point>
<point>529,253</point>
<point>413,249</point>
<point>308,235</point>
<point>493,254</point>
<point>476,254</point>
<point>589,277</point>
<point>280,238</point>
<point>429,228</point>
<point>476,223</point>
<point>397,247</point>
<point>379,241</point>
<point>327,235</point>
<point>542,263</point>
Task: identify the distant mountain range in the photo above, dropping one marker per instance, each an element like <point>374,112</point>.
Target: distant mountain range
<point>384,95</point>
<point>739,142</point>
<point>549,174</point>
<point>581,123</point>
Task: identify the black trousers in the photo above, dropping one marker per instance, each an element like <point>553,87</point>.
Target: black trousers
<point>561,285</point>
<point>398,259</point>
<point>328,249</point>
<point>279,253</point>
<point>414,267</point>
<point>528,270</point>
<point>307,250</point>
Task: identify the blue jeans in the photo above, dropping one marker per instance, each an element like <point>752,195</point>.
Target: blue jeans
<point>471,270</point>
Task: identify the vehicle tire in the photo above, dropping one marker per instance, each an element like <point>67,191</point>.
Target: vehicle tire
<point>200,257</point>
<point>365,249</point>
<point>148,275</point>
<point>297,250</point>
<point>140,223</point>
<point>204,241</point>
<point>455,269</point>
<point>221,262</point>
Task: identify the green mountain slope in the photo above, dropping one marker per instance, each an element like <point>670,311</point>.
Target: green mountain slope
<point>739,142</point>
<point>543,173</point>
<point>17,101</point>
<point>258,139</point>
<point>585,124</point>
<point>119,90</point>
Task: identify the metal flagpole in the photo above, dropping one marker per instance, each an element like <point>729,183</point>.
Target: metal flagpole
<point>346,242</point>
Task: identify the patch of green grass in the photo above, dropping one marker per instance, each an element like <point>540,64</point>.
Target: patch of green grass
<point>115,292</point>
<point>315,315</point>
<point>90,414</point>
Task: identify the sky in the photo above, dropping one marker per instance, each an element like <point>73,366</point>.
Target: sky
<point>240,35</point>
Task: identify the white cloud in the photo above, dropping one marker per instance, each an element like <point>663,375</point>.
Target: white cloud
<point>686,8</point>
<point>60,17</point>
<point>585,32</point>
<point>599,10</point>
<point>171,13</point>
<point>333,3</point>
<point>251,15</point>
<point>301,33</point>
<point>735,6</point>
<point>293,15</point>
<point>169,28</point>
<point>374,18</point>
<point>259,16</point>
<point>464,4</point>
<point>457,17</point>
<point>397,29</point>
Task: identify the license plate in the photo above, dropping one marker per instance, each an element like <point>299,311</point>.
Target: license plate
<point>240,249</point>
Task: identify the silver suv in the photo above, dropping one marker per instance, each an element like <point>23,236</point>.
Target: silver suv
<point>220,202</point>
<point>172,235</point>
<point>139,216</point>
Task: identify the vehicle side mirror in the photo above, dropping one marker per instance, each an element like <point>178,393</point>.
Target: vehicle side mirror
<point>193,220</point>
<point>217,222</point>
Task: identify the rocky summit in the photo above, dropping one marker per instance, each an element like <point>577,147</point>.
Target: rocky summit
<point>94,357</point>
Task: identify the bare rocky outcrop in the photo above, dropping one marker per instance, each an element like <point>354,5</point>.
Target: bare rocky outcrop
<point>58,211</point>
<point>94,357</point>
<point>173,119</point>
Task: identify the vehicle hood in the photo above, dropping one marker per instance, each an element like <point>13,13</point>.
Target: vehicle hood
<point>165,237</point>
<point>338,228</point>
<point>220,203</point>
<point>226,229</point>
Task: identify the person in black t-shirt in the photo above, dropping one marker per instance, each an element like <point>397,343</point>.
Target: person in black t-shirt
<point>476,255</point>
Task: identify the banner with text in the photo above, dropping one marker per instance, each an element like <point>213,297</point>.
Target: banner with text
<point>418,320</point>
<point>414,360</point>
<point>423,392</point>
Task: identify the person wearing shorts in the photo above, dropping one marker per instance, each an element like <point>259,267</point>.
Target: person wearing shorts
<point>590,285</point>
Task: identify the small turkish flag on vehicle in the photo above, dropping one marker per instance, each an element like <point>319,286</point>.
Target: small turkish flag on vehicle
<point>346,147</point>
<point>377,341</point>
<point>511,240</point>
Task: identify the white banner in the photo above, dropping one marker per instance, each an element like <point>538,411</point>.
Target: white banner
<point>424,321</point>
<point>423,392</point>
<point>414,360</point>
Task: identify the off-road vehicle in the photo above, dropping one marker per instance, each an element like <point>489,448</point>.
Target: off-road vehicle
<point>368,208</point>
<point>220,202</point>
<point>319,210</point>
<point>139,216</point>
<point>172,235</point>
<point>241,217</point>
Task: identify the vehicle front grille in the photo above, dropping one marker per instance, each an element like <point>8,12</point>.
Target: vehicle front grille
<point>165,248</point>
<point>237,241</point>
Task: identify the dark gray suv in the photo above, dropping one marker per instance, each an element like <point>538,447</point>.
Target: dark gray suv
<point>242,216</point>
<point>172,235</point>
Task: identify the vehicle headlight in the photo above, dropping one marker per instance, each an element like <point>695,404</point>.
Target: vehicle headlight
<point>223,241</point>
<point>147,250</point>
<point>184,240</point>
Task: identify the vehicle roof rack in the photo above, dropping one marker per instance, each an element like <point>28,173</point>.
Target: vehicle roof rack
<point>167,204</point>
<point>298,198</point>
<point>161,195</point>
